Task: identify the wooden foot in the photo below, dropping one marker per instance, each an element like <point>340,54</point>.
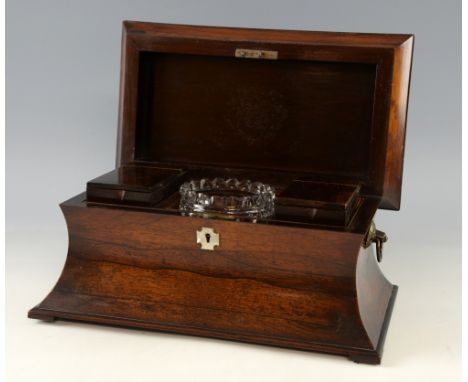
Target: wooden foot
<point>40,314</point>
<point>370,359</point>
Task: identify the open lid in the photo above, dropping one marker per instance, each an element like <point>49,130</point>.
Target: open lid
<point>322,104</point>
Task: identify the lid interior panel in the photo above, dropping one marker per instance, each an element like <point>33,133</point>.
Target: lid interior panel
<point>292,115</point>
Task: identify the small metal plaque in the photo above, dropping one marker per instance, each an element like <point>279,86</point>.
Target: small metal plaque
<point>257,53</point>
<point>207,238</point>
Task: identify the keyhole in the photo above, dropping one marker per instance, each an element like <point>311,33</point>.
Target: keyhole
<point>208,237</point>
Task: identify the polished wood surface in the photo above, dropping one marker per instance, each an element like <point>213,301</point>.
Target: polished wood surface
<point>136,178</point>
<point>219,110</point>
<point>329,111</point>
<point>333,103</point>
<point>299,288</point>
<point>331,203</point>
<point>298,201</point>
<point>131,184</point>
<point>315,194</point>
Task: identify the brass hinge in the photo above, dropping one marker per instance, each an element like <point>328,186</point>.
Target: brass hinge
<point>257,53</point>
<point>375,236</point>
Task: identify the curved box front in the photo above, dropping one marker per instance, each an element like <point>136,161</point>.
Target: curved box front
<point>284,286</point>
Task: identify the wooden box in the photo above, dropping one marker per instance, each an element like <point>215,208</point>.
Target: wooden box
<point>320,116</point>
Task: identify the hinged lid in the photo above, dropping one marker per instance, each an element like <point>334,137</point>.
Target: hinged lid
<point>327,105</point>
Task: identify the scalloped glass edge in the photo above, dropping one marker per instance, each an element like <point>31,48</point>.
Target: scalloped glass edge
<point>227,198</point>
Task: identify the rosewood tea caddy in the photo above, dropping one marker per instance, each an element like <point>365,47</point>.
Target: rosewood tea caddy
<point>317,116</point>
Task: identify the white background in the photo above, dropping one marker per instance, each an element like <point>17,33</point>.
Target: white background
<point>62,76</point>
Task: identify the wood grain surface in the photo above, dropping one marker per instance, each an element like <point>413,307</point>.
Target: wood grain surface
<point>300,288</point>
<point>331,108</point>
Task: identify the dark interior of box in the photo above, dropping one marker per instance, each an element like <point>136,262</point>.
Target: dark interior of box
<point>303,126</point>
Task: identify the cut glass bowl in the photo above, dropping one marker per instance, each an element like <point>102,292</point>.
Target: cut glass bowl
<point>227,198</point>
